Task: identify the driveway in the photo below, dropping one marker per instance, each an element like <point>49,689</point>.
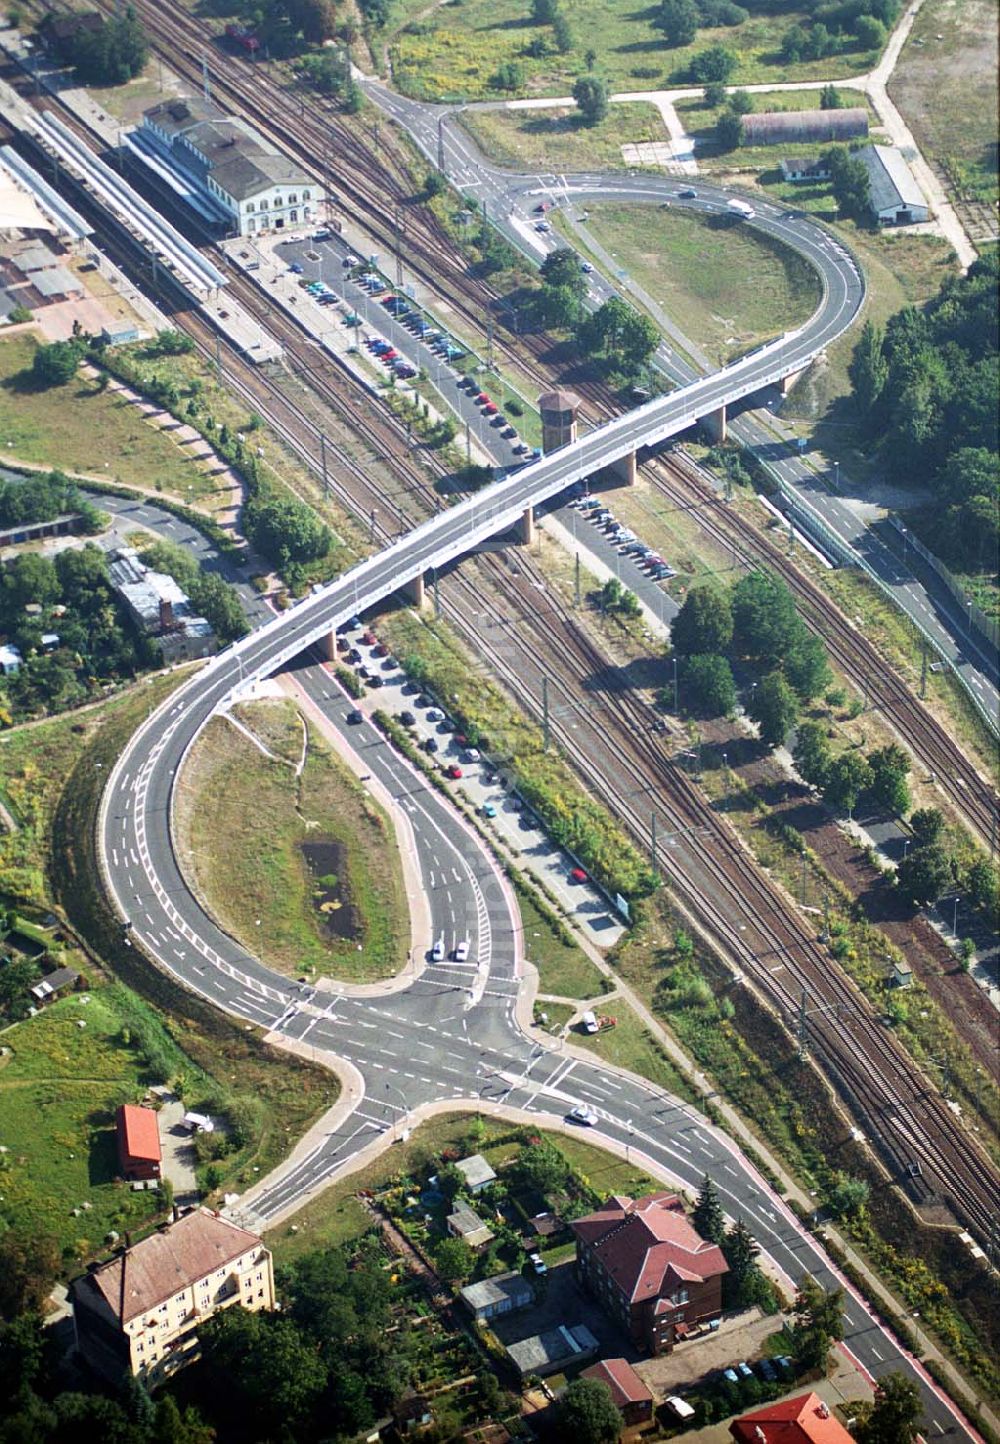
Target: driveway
<point>179,1158</point>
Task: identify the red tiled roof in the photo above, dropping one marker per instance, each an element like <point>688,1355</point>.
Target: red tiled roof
<point>169,1260</point>
<point>648,1246</point>
<point>139,1131</point>
<point>625,1385</point>
<point>802,1420</point>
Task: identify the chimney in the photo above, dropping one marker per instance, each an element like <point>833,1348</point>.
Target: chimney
<point>166,615</point>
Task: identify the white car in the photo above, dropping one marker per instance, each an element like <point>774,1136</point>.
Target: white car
<point>472,754</point>
<point>542,226</point>
<point>586,267</point>
<point>462,952</point>
<point>584,1114</point>
<point>434,714</point>
<point>437,951</point>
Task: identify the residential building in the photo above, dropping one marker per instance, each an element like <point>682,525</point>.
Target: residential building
<point>466,1224</point>
<point>139,1153</point>
<point>10,660</point>
<point>553,1349</point>
<point>54,983</point>
<point>139,1313</point>
<point>477,1172</point>
<point>502,1294</point>
<point>649,1268</point>
<point>896,199</point>
<point>233,166</point>
<point>629,1394</point>
<point>804,127</point>
<point>805,1419</point>
<point>160,608</point>
<point>800,170</point>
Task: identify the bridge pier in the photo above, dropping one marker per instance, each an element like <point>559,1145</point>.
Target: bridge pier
<point>715,424</point>
<point>625,468</point>
<point>415,591</point>
<point>526,527</point>
<point>787,382</point>
<point>327,646</point>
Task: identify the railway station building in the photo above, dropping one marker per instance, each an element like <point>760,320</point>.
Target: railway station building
<point>233,167</point>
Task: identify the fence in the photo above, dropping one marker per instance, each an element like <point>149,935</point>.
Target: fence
<point>987,627</point>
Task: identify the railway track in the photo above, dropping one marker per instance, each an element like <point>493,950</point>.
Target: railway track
<point>886,1091</point>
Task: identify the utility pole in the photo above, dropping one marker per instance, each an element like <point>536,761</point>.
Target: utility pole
<point>490,361</point>
<point>468,444</point>
<point>803,1024</point>
<point>218,355</point>
<point>923,669</point>
<point>653,850</point>
<point>803,890</point>
<point>824,936</point>
<point>577,587</point>
<point>322,462</point>
<point>674,660</point>
<point>206,86</point>
<point>398,226</point>
<point>371,527</point>
<point>545,714</point>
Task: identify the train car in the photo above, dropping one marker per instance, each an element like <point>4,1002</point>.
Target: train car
<point>243,37</point>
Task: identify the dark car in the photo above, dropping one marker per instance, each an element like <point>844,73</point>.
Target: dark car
<point>430,745</point>
<point>355,717</point>
<point>354,655</point>
<point>375,681</point>
<point>407,718</point>
<point>422,701</point>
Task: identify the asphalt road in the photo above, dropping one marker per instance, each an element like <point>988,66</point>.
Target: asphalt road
<point>511,200</point>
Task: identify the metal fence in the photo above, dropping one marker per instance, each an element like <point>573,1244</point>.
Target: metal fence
<point>987,627</point>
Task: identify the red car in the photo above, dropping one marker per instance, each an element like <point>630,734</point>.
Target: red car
<point>454,772</point>
<point>578,875</point>
<point>389,355</point>
<point>490,409</point>
<point>381,650</point>
<point>369,639</point>
<point>482,398</point>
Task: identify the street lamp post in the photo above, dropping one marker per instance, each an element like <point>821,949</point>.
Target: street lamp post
<point>406,1110</point>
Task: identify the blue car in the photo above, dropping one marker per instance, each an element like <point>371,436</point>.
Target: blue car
<point>296,269</point>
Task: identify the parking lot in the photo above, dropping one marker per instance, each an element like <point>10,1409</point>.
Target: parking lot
<point>483,785</point>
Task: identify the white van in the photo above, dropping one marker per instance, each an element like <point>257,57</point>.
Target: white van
<point>679,1408</point>
<point>588,1022</point>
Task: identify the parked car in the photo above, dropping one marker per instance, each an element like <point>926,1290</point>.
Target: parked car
<point>437,951</point>
<point>577,874</point>
<point>472,754</point>
<point>767,1370</point>
<point>407,718</point>
<point>538,1265</point>
<point>434,714</point>
<point>431,744</point>
<point>453,771</point>
<point>369,639</point>
<point>296,269</point>
<point>744,1370</point>
<point>488,809</point>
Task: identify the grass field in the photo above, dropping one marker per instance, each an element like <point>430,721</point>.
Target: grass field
<point>631,1045</point>
<point>337,1217</point>
<point>557,140</point>
<point>244,819</point>
<point>452,51</point>
<point>699,121</point>
<point>945,84</point>
<point>79,428</point>
<point>724,285</point>
<point>563,968</point>
<point>59,1088</point>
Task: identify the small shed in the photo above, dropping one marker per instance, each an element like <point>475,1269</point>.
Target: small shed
<point>552,1350</point>
<point>477,1172</point>
<point>466,1224</point>
<point>10,660</point>
<point>902,975</point>
<point>54,983</point>
<point>502,1294</point>
<point>628,1393</point>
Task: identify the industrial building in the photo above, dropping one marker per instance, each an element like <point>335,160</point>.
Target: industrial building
<point>804,127</point>
<point>139,1313</point>
<point>159,608</point>
<point>224,168</point>
<point>896,199</point>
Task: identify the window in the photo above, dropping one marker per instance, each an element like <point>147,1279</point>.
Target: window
<point>292,199</point>
<point>294,216</point>
<point>251,225</point>
<point>307,195</point>
<point>163,1308</point>
<point>259,1277</point>
<point>263,205</point>
<point>251,206</point>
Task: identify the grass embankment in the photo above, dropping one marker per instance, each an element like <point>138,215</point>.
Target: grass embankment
<point>452,52</point>
<point>337,1217</point>
<point>558,140</point>
<point>78,426</point>
<point>304,870</point>
<point>430,653</point>
<point>945,84</point>
<point>631,1045</point>
<point>563,968</point>
<point>726,285</point>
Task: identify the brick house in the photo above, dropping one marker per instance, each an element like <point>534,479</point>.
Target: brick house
<point>139,1153</point>
<point>139,1313</point>
<point>629,1394</point>
<point>806,1419</point>
<point>649,1269</point>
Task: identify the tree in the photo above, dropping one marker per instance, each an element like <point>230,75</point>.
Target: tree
<point>794,43</point>
<point>266,1364</point>
<point>764,616</point>
<point>890,768</point>
<point>924,875</point>
<point>29,578</point>
<point>894,1416</point>
<point>285,530</point>
<point>17,977</point>
<point>871,33</point>
<point>715,94</point>
<point>983,887</point>
<point>805,665</point>
<point>970,472</point>
<point>542,1167</point>
<point>22,1347</point>
<point>55,364</point>
<point>111,54</point>
<point>678,19</point>
<point>850,183</point>
<point>847,1196</point>
<point>830,98</point>
<point>543,12</point>
<point>849,775</point>
<point>704,623</point>
<point>589,60</point>
<point>454,1260</point>
<point>819,1322</point>
<point>556,308</point>
<point>708,686</point>
<point>927,825</point>
<point>562,34</point>
<point>588,1414</point>
<point>728,131</point>
<point>744,1280</point>
<point>707,1215</point>
<point>591,95</point>
<point>774,707</point>
<point>171,1426</point>
<point>620,335</point>
<point>812,754</point>
<point>29,1265</point>
<point>868,369</point>
<point>741,102</point>
<point>715,63</point>
<point>509,75</point>
<point>562,268</point>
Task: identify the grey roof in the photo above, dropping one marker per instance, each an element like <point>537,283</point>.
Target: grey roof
<point>175,116</point>
<point>771,126</point>
<point>544,1353</point>
<point>145,590</point>
<point>495,1290</point>
<point>893,185</point>
<point>475,1169</point>
<point>56,281</point>
<point>469,1226</point>
<point>33,258</point>
<point>53,982</point>
<point>67,220</point>
<point>239,159</point>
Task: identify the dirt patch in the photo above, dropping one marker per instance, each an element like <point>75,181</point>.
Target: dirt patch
<point>326,861</point>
